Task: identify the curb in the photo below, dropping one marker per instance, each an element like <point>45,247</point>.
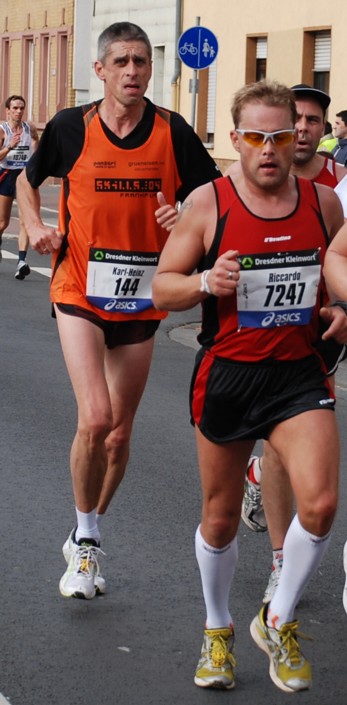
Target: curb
<point>186,335</point>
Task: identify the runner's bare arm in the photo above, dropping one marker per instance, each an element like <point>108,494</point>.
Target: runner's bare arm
<point>331,209</point>
<point>42,238</point>
<point>175,287</point>
<point>335,266</point>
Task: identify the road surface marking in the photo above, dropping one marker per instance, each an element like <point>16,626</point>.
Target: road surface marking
<point>3,700</point>
<point>45,271</point>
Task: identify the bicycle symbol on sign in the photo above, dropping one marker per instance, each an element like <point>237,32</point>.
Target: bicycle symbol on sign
<point>190,48</point>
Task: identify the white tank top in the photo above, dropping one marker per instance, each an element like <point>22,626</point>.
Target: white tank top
<point>18,157</point>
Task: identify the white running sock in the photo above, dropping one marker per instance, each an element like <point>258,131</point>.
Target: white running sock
<point>217,567</point>
<point>302,554</point>
<point>87,527</point>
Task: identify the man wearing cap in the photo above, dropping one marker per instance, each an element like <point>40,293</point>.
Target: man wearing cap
<point>311,105</point>
<point>275,495</point>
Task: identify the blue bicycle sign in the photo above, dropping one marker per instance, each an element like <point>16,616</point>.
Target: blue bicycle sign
<point>197,47</point>
<point>188,48</point>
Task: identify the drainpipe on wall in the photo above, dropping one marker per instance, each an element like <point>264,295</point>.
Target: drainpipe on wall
<point>177,72</point>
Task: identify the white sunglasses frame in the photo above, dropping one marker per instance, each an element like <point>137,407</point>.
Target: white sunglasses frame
<point>267,136</point>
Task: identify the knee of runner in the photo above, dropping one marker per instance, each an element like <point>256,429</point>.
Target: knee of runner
<point>118,438</point>
<point>221,529</point>
<point>318,515</point>
<point>95,429</point>
<point>4,224</point>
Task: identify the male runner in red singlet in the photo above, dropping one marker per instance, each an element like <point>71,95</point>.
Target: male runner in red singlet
<point>113,155</point>
<point>258,246</point>
<point>274,494</point>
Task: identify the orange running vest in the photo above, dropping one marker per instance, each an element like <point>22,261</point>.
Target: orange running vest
<point>111,239</point>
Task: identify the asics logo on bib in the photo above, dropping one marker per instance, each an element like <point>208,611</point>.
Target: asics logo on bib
<point>280,319</point>
<point>120,306</point>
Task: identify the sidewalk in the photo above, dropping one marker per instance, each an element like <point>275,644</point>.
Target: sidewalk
<point>186,335</point>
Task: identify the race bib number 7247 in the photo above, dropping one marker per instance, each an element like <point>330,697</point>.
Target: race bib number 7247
<point>278,289</point>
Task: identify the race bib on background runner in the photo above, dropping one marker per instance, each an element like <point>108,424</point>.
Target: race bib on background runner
<point>278,288</point>
<point>121,281</point>
<point>18,157</point>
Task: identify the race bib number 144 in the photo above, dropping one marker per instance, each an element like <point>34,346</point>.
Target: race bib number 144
<point>119,280</point>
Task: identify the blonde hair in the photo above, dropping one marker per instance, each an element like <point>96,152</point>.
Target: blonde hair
<point>267,92</point>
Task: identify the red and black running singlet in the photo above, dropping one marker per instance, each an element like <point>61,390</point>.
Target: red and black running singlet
<point>327,175</point>
<point>274,313</point>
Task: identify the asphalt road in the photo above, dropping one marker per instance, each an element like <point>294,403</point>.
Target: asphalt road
<point>138,644</point>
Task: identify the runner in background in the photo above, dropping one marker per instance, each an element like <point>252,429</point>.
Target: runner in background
<point>18,141</point>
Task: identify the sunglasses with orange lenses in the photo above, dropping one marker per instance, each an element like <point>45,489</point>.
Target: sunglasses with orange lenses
<point>257,138</point>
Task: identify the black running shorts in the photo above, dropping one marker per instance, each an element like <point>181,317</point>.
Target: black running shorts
<point>8,178</point>
<point>115,332</point>
<point>236,400</point>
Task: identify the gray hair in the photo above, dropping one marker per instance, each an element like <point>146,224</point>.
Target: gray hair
<point>121,31</point>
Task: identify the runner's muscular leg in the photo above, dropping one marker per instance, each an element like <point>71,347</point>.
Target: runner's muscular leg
<point>5,212</point>
<point>308,445</point>
<point>23,239</point>
<point>83,348</point>
<point>277,496</point>
<point>127,368</point>
<point>222,473</point>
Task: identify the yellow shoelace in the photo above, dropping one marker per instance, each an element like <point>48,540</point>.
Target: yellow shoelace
<point>220,653</point>
<point>289,637</point>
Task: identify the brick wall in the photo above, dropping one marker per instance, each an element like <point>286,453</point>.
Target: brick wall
<point>24,20</point>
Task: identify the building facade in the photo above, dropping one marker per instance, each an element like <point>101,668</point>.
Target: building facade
<point>36,55</point>
<point>47,50</point>
<point>296,42</point>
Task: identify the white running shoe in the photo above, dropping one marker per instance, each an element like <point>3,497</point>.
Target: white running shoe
<point>82,578</point>
<point>22,270</point>
<point>289,669</point>
<point>344,598</point>
<point>99,580</point>
<point>252,505</point>
<point>274,577</point>
<point>217,662</point>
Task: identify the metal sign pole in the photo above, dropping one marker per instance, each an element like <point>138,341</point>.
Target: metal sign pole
<point>197,47</point>
<point>194,85</point>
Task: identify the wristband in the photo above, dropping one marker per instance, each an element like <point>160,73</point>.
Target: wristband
<point>340,304</point>
<point>204,283</point>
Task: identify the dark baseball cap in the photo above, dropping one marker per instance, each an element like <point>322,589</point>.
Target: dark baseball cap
<point>302,89</point>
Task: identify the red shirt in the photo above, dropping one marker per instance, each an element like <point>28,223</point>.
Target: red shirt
<point>274,313</point>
